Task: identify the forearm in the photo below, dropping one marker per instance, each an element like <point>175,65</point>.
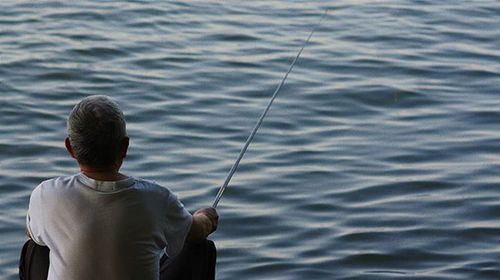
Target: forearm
<point>205,222</point>
<point>201,227</point>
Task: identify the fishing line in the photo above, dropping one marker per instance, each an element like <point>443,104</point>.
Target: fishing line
<point>259,121</point>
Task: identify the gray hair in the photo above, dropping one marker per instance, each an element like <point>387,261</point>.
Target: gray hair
<point>96,130</point>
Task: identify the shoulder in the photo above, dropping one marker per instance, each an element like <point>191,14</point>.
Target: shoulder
<point>153,188</point>
<point>54,184</point>
<point>159,197</point>
<point>50,194</point>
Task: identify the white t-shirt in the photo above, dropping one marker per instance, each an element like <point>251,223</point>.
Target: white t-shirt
<point>106,230</point>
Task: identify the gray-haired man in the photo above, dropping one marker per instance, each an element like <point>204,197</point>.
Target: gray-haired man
<point>102,224</point>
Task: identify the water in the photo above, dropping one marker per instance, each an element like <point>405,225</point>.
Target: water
<point>378,160</point>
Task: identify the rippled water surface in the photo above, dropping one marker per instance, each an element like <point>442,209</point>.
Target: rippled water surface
<point>379,159</point>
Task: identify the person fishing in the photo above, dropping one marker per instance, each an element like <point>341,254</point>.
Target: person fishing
<point>103,224</point>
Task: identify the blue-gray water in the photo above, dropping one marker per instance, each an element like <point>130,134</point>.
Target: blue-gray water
<point>379,159</point>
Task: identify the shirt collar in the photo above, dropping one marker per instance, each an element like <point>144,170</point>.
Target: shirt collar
<point>105,186</point>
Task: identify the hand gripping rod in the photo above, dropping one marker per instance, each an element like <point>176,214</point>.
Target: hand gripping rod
<point>259,122</point>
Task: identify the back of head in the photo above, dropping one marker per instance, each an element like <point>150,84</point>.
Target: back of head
<point>96,130</point>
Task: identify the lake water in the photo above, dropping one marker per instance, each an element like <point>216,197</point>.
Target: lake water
<point>379,159</point>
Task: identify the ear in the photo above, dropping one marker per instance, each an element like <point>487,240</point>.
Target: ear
<point>69,148</point>
<point>124,148</point>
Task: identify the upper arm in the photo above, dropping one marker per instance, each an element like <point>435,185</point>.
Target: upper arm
<point>34,218</point>
<point>179,223</point>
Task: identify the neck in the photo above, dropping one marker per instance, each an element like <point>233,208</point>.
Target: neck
<point>102,174</point>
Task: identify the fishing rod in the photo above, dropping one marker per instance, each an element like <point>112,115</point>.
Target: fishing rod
<point>259,121</point>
